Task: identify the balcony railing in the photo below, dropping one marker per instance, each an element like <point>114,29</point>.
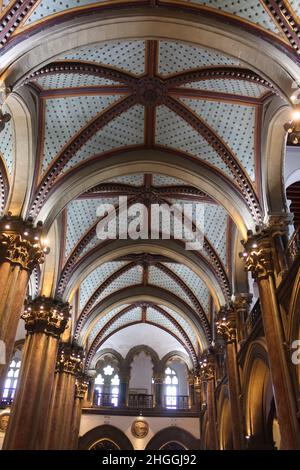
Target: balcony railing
<point>180,402</point>
<point>140,400</point>
<point>106,399</point>
<point>253,318</point>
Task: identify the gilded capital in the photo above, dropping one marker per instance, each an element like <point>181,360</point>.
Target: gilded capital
<point>207,368</point>
<point>242,302</point>
<point>20,243</point>
<point>226,325</point>
<point>258,254</point>
<point>70,359</point>
<point>46,315</point>
<point>81,386</point>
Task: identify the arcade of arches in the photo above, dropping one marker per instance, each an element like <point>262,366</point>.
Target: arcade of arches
<point>138,342</point>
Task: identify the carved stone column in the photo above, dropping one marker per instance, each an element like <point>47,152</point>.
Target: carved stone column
<point>81,388</point>
<point>158,379</point>
<point>68,367</point>
<point>258,255</point>
<point>241,306</point>
<point>20,251</point>
<point>45,320</point>
<point>226,328</point>
<point>191,382</point>
<point>207,372</point>
<point>124,386</point>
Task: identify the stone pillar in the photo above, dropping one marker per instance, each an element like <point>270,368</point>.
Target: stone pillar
<point>68,367</point>
<point>258,255</point>
<point>191,382</point>
<point>226,328</point>
<point>241,306</point>
<point>45,320</point>
<point>81,388</point>
<point>207,371</point>
<point>20,252</point>
<point>123,389</point>
<point>158,389</point>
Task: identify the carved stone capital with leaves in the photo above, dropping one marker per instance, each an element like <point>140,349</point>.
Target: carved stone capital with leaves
<point>46,315</point>
<point>258,254</point>
<point>70,359</point>
<point>81,386</point>
<point>20,243</point>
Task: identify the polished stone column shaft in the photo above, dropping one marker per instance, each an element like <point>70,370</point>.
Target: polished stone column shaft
<point>45,320</point>
<point>226,328</point>
<point>20,252</point>
<point>81,388</point>
<point>69,365</point>
<point>259,260</point>
<point>207,372</point>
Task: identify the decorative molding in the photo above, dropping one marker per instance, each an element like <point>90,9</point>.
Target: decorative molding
<point>84,68</point>
<point>287,21</point>
<point>12,18</point>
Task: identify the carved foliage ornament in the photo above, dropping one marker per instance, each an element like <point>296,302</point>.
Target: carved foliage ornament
<point>18,250</point>
<point>46,315</point>
<point>226,329</point>
<point>70,359</point>
<point>81,387</point>
<point>258,254</point>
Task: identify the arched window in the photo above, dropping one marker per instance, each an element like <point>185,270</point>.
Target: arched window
<point>11,381</point>
<point>171,388</point>
<point>107,388</point>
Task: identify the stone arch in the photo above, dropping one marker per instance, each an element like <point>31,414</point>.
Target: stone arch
<point>257,390</point>
<point>224,414</point>
<point>43,45</point>
<point>117,248</point>
<point>148,161</point>
<point>173,434</point>
<point>178,354</point>
<point>103,352</point>
<point>108,432</point>
<point>147,350</point>
<point>142,294</point>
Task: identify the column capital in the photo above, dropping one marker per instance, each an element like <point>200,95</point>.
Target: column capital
<point>258,253</point>
<point>242,302</point>
<point>207,367</point>
<point>226,324</point>
<point>158,377</point>
<point>278,223</point>
<point>46,315</point>
<point>81,386</point>
<point>21,243</point>
<point>70,359</point>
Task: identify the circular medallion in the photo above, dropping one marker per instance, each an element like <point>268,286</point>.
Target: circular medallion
<point>140,428</point>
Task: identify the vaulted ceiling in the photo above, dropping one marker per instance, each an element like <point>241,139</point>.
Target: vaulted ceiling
<point>100,100</point>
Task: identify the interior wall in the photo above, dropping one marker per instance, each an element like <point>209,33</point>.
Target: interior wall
<point>124,423</point>
<point>141,373</point>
